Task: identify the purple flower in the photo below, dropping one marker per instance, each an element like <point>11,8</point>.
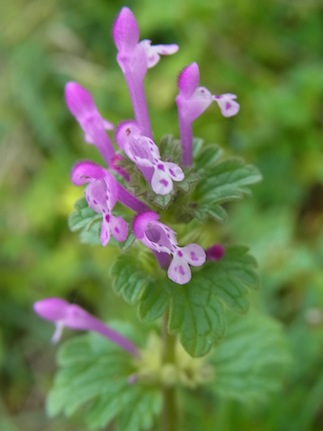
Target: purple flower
<point>215,252</point>
<point>72,316</point>
<point>161,239</point>
<point>102,193</point>
<point>143,151</point>
<point>135,58</point>
<point>192,101</point>
<point>81,105</point>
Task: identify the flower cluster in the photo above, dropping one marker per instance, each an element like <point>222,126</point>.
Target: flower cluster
<point>105,186</point>
<point>134,139</point>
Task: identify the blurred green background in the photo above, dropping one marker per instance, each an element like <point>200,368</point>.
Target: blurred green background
<point>269,53</point>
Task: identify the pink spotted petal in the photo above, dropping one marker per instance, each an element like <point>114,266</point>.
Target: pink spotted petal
<point>174,171</point>
<point>125,31</point>
<point>155,235</point>
<point>141,222</point>
<point>83,172</point>
<point>194,254</point>
<point>119,228</point>
<point>105,229</point>
<point>188,80</point>
<point>161,182</point>
<point>96,196</point>
<point>227,104</point>
<point>153,52</point>
<point>179,271</point>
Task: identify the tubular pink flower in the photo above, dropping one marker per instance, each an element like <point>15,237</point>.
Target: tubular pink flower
<point>134,58</point>
<point>143,151</point>
<point>161,239</point>
<point>192,101</point>
<point>102,193</point>
<point>72,316</point>
<point>81,105</point>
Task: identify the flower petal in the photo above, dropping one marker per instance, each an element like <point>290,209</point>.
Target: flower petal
<point>194,254</point>
<point>161,182</point>
<point>52,309</point>
<point>141,221</point>
<point>85,171</point>
<point>125,31</point>
<point>188,80</point>
<point>119,228</point>
<point>174,171</point>
<point>179,271</point>
<point>227,104</point>
<point>153,52</point>
<point>105,229</point>
<point>79,101</point>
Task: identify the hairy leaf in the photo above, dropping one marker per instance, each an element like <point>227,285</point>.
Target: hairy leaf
<point>251,360</point>
<point>196,309</point>
<point>220,181</point>
<point>87,221</point>
<point>93,377</point>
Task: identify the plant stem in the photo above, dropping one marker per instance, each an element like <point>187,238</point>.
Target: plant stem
<point>169,414</point>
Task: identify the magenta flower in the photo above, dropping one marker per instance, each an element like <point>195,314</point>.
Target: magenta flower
<point>161,239</point>
<point>145,154</point>
<point>102,193</point>
<point>81,105</point>
<point>72,316</point>
<point>135,58</point>
<point>192,101</point>
<point>215,252</point>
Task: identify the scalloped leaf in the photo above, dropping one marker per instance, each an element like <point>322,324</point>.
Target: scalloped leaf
<point>88,223</point>
<point>93,378</point>
<point>85,220</point>
<point>250,362</point>
<point>196,309</point>
<point>220,181</point>
<point>135,282</point>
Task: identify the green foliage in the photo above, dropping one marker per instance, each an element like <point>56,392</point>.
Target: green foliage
<point>276,71</point>
<point>93,376</point>
<point>252,359</point>
<point>220,181</point>
<point>195,310</point>
<point>86,220</point>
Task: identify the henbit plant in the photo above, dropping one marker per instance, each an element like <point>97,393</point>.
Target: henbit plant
<point>134,376</point>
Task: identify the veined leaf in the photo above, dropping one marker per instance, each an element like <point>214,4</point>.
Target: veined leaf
<point>196,309</point>
<point>93,376</point>
<point>251,360</point>
<point>220,181</point>
<point>87,221</point>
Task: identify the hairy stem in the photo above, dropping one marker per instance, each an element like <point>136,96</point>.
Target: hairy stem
<point>169,414</point>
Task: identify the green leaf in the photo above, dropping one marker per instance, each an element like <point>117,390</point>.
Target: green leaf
<point>251,360</point>
<point>196,309</point>
<point>220,181</point>
<point>170,149</point>
<point>134,279</point>
<point>93,379</point>
<point>84,219</point>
